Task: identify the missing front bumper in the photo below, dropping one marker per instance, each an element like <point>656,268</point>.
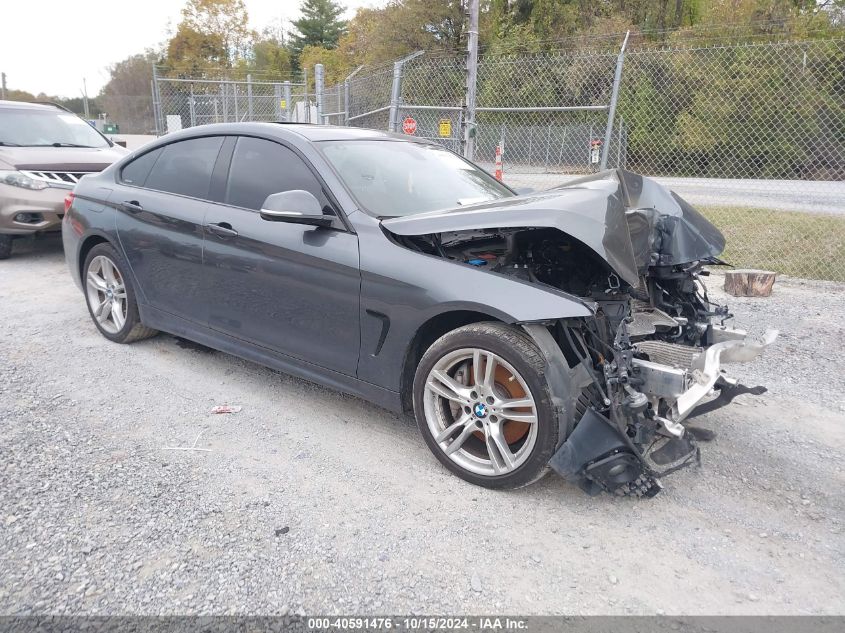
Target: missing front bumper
<point>599,455</point>
<point>686,384</point>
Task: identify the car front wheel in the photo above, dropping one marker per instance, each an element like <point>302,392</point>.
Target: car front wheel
<point>483,405</point>
<point>111,297</point>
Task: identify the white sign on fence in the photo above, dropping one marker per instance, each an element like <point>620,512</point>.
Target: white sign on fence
<point>174,123</point>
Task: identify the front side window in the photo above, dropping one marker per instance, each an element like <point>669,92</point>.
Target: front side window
<point>29,127</point>
<point>185,167</point>
<point>261,168</point>
<point>394,178</point>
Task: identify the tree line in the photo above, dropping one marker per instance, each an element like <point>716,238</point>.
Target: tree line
<point>213,38</point>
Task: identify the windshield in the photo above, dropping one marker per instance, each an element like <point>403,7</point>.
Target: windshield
<point>392,178</point>
<point>43,128</point>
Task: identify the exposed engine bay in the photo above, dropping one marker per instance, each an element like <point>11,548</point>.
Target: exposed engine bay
<point>651,354</point>
<point>670,303</point>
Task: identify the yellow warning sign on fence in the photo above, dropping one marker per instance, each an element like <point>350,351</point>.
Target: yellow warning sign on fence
<point>445,127</point>
<point>284,104</point>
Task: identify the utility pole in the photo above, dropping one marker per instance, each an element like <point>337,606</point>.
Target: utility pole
<point>472,77</point>
<point>85,99</point>
<point>3,86</point>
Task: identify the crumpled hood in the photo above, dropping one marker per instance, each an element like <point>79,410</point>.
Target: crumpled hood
<point>60,158</point>
<point>665,228</point>
<point>628,220</point>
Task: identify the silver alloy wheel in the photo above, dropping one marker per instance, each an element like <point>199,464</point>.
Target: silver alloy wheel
<point>467,408</point>
<point>106,294</point>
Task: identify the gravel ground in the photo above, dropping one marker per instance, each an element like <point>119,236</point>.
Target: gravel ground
<point>311,501</point>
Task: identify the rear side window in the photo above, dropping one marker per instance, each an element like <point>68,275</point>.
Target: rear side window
<point>136,172</point>
<point>260,168</point>
<point>185,167</point>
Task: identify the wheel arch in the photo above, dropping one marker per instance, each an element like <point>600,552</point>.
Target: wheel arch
<point>99,237</point>
<point>426,334</point>
<point>85,247</point>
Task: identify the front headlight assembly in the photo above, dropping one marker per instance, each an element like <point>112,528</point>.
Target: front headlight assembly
<point>17,179</point>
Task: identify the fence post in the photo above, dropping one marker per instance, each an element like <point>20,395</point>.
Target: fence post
<point>346,102</point>
<point>306,96</point>
<point>614,96</point>
<point>277,95</point>
<point>472,76</point>
<point>288,104</point>
<point>192,108</point>
<point>249,97</point>
<point>235,99</point>
<point>156,102</point>
<point>396,91</point>
<point>318,92</point>
<point>155,110</point>
<point>223,102</point>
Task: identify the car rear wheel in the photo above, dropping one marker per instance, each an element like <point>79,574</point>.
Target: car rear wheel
<point>6,246</point>
<point>483,405</point>
<point>111,297</point>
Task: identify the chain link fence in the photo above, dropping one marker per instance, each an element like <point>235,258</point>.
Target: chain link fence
<point>752,134</point>
<point>182,103</point>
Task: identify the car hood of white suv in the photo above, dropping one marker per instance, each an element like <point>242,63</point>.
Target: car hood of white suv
<point>70,159</point>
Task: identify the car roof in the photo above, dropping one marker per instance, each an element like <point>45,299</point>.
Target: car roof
<point>27,105</point>
<point>303,131</point>
<point>338,133</point>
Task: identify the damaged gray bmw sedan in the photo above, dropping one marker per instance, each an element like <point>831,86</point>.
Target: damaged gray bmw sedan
<point>567,329</point>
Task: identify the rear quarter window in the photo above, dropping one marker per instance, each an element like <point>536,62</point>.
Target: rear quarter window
<point>135,172</point>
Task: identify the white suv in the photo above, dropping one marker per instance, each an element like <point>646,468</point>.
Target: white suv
<point>44,151</point>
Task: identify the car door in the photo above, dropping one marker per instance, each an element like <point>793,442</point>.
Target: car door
<point>162,198</point>
<point>288,287</point>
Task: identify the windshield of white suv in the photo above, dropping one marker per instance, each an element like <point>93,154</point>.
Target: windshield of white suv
<point>27,127</point>
<point>392,178</point>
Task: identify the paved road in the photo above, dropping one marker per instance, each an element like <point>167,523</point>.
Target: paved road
<point>782,195</point>
<point>314,501</point>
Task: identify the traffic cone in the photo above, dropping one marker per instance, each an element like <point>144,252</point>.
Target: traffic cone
<point>498,163</point>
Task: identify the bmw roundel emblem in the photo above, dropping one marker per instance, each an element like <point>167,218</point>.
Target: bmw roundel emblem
<point>480,410</point>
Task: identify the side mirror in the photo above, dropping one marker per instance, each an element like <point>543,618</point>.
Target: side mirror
<point>296,206</point>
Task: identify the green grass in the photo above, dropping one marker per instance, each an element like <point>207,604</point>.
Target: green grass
<point>808,245</point>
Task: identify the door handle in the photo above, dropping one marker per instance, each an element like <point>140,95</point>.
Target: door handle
<point>222,229</point>
<point>133,206</point>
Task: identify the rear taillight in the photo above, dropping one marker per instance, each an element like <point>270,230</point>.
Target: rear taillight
<point>68,201</point>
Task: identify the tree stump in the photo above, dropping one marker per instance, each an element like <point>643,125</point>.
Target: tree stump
<point>749,283</point>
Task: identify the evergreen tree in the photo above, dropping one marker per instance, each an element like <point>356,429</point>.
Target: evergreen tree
<point>320,25</point>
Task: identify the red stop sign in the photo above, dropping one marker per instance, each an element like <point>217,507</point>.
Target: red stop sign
<point>409,125</point>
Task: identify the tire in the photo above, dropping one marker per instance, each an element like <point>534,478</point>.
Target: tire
<point>112,296</point>
<point>516,376</point>
<point>6,246</point>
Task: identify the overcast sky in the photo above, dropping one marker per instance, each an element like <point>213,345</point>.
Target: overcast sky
<point>50,45</point>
